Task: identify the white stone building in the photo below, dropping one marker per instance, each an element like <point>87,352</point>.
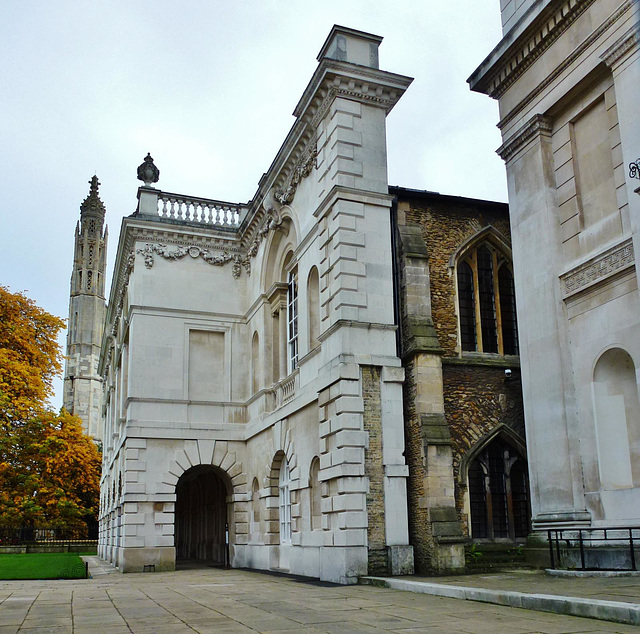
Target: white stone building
<point>567,77</point>
<point>254,408</point>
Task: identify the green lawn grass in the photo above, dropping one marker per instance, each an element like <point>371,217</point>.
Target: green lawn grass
<point>41,566</point>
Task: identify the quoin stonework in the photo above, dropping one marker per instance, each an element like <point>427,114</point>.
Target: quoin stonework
<point>324,380</point>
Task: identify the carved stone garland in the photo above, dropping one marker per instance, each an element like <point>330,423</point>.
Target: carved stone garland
<point>210,257</point>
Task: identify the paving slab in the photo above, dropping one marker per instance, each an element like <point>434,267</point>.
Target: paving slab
<point>603,597</point>
<point>238,601</point>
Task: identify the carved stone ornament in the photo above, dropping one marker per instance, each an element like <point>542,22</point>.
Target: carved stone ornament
<point>302,169</point>
<point>148,172</point>
<point>271,221</point>
<point>599,268</point>
<point>210,257</point>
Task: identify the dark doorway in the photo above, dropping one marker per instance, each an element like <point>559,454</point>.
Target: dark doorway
<point>201,516</point>
<point>499,493</point>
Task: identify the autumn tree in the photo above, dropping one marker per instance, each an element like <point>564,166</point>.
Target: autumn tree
<point>49,470</point>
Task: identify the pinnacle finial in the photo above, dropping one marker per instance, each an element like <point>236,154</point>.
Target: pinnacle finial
<point>148,173</point>
<point>94,184</point>
<point>92,203</point>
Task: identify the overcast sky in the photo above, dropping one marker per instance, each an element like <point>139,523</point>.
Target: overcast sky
<point>208,87</point>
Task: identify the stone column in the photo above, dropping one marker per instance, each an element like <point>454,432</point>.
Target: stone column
<point>557,494</point>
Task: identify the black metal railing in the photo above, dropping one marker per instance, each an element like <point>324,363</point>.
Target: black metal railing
<point>611,548</point>
<point>43,535</point>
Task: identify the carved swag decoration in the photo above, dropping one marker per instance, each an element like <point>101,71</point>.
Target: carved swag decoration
<point>210,257</point>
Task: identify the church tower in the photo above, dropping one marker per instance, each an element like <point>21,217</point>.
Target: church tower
<point>87,311</point>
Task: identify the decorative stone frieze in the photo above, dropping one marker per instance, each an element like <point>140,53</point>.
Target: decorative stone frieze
<point>598,269</point>
<point>195,252</point>
<point>538,125</point>
<point>302,169</point>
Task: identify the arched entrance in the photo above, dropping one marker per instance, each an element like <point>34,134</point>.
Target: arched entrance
<point>499,492</point>
<point>201,531</point>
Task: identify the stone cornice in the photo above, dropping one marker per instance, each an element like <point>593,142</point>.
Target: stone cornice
<point>562,67</point>
<point>628,43</point>
<point>536,126</point>
<point>517,57</point>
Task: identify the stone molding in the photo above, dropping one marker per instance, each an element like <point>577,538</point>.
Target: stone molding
<point>598,269</point>
<point>538,125</point>
<point>626,44</point>
<point>542,33</point>
<point>570,59</point>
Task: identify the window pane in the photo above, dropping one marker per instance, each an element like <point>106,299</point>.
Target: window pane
<point>466,303</point>
<point>292,319</point>
<point>508,310</point>
<point>498,486</point>
<point>486,298</point>
<point>478,500</point>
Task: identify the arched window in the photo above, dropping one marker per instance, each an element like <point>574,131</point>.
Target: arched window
<point>284,502</point>
<point>498,493</point>
<point>315,495</point>
<point>313,304</point>
<point>617,417</point>
<point>486,301</point>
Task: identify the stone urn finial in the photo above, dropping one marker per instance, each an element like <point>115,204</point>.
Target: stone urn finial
<point>148,172</point>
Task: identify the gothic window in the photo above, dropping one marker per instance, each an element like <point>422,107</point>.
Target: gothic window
<point>284,502</point>
<point>498,493</point>
<point>486,302</point>
<point>292,321</point>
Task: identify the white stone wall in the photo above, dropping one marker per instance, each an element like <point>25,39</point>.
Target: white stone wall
<point>195,356</point>
<point>569,137</point>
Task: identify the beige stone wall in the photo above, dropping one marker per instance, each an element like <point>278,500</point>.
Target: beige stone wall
<point>374,470</point>
<point>452,401</point>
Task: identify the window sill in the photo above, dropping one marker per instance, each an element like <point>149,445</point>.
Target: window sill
<point>488,359</point>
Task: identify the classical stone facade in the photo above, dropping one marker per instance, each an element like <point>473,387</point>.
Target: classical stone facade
<point>87,310</point>
<point>567,77</point>
<point>462,398</point>
<point>253,409</point>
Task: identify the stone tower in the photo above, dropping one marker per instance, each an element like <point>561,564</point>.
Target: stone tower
<point>87,311</point>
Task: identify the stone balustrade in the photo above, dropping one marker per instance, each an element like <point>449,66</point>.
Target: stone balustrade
<point>199,210</point>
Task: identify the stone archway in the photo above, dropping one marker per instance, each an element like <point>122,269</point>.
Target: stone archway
<point>201,518</point>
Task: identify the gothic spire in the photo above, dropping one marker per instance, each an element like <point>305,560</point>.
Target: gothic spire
<point>92,205</point>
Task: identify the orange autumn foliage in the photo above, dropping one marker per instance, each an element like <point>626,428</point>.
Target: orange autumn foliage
<point>49,470</point>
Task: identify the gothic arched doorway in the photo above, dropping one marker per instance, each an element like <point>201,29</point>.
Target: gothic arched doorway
<point>499,493</point>
<point>201,531</point>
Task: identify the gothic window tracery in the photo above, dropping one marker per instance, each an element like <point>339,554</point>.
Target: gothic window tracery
<point>486,301</point>
<point>498,493</point>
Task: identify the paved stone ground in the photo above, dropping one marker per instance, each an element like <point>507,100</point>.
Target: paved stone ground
<point>226,601</point>
<point>621,588</point>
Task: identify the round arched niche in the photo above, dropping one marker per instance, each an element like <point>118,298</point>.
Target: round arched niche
<point>617,419</point>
